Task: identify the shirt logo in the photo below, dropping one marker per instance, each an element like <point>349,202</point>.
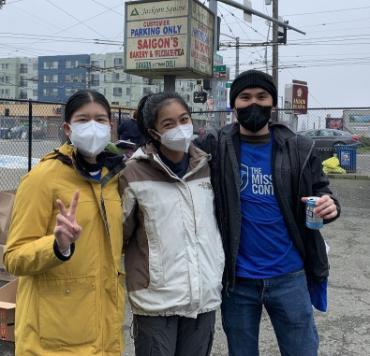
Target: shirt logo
<point>261,184</point>
<point>205,185</point>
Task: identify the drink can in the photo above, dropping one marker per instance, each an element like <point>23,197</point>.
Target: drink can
<point>313,221</point>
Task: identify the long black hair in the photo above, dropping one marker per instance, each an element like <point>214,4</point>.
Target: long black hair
<point>81,98</point>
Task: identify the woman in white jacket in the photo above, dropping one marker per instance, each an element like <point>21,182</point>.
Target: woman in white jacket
<point>174,258</point>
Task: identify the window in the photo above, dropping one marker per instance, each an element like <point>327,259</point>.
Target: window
<point>95,80</point>
<point>115,77</point>
<point>35,93</point>
<point>146,91</point>
<point>70,91</point>
<point>128,91</point>
<point>23,69</point>
<point>51,65</point>
<point>23,82</point>
<point>73,78</point>
<point>117,91</point>
<point>95,64</point>
<point>51,78</point>
<point>117,61</point>
<point>70,64</point>
<point>4,79</point>
<point>50,92</point>
<point>5,66</point>
<point>5,92</point>
<point>23,94</point>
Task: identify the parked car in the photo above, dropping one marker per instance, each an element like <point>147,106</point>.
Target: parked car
<point>39,130</point>
<point>328,138</point>
<point>5,126</point>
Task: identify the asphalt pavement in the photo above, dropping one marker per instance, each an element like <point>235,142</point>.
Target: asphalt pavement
<point>344,330</point>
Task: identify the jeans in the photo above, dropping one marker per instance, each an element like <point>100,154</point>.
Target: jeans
<point>288,305</point>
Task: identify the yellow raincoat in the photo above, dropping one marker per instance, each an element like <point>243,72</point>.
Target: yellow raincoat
<point>72,307</point>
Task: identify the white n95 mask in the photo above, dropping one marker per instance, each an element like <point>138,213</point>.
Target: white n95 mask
<point>178,138</point>
<point>90,138</point>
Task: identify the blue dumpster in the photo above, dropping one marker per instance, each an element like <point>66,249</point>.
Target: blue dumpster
<point>347,156</point>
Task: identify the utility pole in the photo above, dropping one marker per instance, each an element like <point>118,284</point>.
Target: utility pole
<point>275,46</point>
<point>237,49</point>
<point>237,45</point>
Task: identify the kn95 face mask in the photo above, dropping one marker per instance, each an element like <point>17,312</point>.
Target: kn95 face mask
<point>90,138</point>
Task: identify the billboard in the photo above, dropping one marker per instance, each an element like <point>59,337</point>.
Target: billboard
<point>171,37</point>
<point>334,123</point>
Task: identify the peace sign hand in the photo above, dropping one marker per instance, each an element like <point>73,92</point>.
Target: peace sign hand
<point>66,229</point>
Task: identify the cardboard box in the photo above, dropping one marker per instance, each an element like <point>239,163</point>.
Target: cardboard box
<point>7,310</point>
<point>4,275</point>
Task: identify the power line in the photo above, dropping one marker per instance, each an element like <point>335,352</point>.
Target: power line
<point>72,16</point>
<point>336,22</point>
<point>329,11</point>
<point>107,8</point>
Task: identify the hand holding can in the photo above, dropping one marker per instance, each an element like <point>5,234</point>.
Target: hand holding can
<point>313,221</point>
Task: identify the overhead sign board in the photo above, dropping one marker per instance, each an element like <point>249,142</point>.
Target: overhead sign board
<point>172,37</point>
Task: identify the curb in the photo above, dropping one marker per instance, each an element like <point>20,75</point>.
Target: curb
<point>355,176</point>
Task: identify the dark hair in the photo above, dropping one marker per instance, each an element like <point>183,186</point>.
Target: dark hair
<point>154,104</point>
<point>138,116</point>
<point>81,98</point>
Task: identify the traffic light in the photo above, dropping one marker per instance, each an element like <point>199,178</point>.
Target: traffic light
<point>206,84</point>
<point>282,34</point>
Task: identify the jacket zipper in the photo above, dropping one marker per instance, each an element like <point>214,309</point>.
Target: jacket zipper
<point>301,174</point>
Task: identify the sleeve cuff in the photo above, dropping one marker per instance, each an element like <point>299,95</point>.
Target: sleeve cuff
<point>59,255</point>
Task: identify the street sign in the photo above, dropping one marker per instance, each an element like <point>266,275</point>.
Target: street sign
<point>219,69</point>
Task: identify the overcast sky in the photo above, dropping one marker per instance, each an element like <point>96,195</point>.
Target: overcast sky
<point>333,57</point>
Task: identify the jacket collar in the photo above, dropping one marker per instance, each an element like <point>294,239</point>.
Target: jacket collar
<point>67,154</point>
<point>197,157</point>
<point>280,132</point>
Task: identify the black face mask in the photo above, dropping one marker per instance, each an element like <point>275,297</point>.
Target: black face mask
<point>254,117</point>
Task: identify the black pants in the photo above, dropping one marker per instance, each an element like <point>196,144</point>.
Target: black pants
<point>174,335</point>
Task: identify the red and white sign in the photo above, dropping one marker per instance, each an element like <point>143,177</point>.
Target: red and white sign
<point>299,97</point>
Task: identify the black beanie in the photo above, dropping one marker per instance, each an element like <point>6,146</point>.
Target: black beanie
<point>252,79</point>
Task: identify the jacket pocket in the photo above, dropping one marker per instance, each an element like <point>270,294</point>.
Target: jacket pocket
<point>67,312</point>
<point>156,278</point>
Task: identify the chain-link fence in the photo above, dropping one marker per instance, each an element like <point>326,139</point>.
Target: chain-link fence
<point>328,127</point>
<point>31,129</point>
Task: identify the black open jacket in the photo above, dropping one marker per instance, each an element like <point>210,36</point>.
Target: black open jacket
<point>296,173</point>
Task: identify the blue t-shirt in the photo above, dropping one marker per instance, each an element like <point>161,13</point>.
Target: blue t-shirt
<point>265,249</point>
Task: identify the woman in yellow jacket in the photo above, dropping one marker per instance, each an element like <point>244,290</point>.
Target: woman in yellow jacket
<point>65,242</point>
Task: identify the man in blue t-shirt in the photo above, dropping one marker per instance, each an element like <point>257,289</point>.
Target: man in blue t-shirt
<point>262,175</point>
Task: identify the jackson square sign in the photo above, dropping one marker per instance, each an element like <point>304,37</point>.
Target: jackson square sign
<point>171,37</point>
